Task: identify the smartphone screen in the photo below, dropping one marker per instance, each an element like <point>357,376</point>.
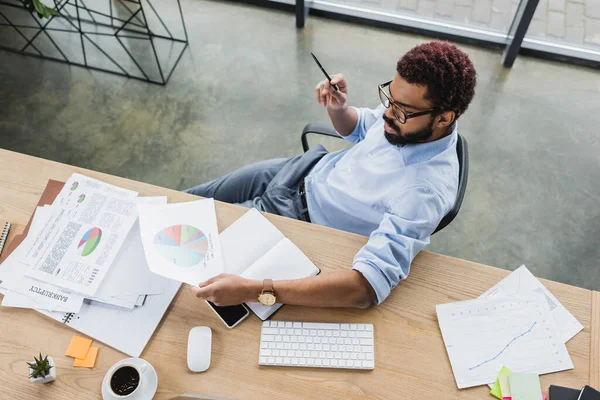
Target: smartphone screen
<point>230,315</point>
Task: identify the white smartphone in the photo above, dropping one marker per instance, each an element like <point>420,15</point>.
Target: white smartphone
<point>230,315</point>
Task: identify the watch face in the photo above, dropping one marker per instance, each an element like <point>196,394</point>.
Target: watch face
<point>266,299</point>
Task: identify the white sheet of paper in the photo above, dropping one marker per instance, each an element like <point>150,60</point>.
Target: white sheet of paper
<point>17,300</point>
<point>482,335</point>
<point>130,274</point>
<point>9,269</point>
<point>284,261</point>
<point>181,241</point>
<point>269,266</point>
<point>521,282</point>
<point>113,301</point>
<point>137,300</point>
<point>246,240</point>
<point>127,301</point>
<point>70,197</point>
<point>86,231</point>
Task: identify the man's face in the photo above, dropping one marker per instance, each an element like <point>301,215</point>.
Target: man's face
<point>410,98</point>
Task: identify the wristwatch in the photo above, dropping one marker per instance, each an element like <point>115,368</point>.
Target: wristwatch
<point>267,296</point>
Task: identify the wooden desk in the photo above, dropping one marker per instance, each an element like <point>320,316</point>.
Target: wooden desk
<point>410,358</point>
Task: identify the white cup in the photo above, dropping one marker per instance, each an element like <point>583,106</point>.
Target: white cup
<point>140,369</point>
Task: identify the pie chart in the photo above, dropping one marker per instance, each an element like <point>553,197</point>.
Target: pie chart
<point>182,245</point>
<point>89,242</point>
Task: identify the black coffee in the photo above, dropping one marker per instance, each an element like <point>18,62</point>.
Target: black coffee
<point>125,380</point>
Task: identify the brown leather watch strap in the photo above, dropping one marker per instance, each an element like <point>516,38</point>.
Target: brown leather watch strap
<point>268,285</point>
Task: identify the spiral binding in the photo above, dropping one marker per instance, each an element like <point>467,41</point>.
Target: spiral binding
<point>67,318</point>
<point>4,235</point>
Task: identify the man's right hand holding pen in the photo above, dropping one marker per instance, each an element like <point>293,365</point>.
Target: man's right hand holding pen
<point>344,118</point>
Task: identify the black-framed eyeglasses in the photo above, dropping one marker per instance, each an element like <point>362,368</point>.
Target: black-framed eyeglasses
<point>401,115</point>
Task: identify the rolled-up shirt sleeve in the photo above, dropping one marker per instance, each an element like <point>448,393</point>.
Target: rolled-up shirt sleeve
<point>404,231</point>
<point>366,118</point>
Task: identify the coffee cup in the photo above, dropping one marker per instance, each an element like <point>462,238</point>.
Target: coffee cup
<point>125,379</point>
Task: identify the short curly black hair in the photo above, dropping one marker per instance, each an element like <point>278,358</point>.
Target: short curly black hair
<point>447,72</point>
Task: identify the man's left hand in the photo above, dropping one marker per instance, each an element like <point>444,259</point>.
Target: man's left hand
<point>228,290</point>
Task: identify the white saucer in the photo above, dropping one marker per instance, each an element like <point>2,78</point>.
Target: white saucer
<point>144,392</point>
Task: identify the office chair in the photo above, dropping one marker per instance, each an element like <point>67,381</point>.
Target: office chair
<point>462,151</point>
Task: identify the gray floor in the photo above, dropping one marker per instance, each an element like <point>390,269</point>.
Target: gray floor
<point>244,90</point>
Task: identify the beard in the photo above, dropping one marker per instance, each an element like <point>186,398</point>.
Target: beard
<point>401,139</point>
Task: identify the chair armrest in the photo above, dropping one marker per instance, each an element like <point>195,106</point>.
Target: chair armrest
<point>318,128</point>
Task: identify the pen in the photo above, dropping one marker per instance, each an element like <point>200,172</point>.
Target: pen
<point>336,87</point>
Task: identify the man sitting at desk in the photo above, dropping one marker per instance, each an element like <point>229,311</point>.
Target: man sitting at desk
<point>395,185</point>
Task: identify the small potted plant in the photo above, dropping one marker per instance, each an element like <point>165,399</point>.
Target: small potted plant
<point>42,370</point>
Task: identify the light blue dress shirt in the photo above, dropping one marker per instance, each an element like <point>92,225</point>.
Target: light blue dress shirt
<point>396,195</point>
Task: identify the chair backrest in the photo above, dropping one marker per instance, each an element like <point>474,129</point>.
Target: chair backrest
<point>462,151</point>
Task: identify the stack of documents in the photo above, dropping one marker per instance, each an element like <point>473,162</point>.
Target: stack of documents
<point>83,263</point>
<point>86,245</point>
<point>517,323</point>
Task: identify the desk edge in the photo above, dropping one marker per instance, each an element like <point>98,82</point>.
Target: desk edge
<point>594,380</point>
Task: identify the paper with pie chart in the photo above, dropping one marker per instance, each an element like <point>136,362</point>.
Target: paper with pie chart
<point>183,245</point>
<point>181,241</point>
<point>89,222</point>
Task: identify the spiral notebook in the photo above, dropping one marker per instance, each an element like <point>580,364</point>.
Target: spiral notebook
<point>125,330</point>
<point>4,230</point>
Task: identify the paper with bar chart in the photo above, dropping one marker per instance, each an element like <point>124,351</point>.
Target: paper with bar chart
<point>482,335</point>
<point>181,241</point>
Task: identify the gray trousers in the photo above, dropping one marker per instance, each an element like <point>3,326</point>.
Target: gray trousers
<point>270,186</point>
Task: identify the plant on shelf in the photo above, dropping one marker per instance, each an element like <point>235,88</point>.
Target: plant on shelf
<point>42,10</point>
<point>42,370</point>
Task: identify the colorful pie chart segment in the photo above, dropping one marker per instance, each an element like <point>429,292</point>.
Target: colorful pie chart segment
<point>182,245</point>
<point>89,242</point>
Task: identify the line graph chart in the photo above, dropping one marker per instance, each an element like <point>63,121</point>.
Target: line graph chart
<point>505,347</point>
<point>481,335</point>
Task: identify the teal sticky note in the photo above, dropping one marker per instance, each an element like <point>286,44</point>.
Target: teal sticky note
<point>525,386</point>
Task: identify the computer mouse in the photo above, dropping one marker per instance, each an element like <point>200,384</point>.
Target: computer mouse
<point>199,348</point>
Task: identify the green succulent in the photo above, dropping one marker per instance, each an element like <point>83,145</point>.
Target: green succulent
<point>40,8</point>
<point>40,368</point>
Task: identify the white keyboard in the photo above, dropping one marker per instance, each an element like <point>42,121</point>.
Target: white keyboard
<point>320,345</point>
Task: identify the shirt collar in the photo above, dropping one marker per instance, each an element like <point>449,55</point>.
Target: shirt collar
<point>415,153</point>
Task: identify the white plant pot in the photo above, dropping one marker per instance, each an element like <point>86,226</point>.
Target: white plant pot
<point>49,378</point>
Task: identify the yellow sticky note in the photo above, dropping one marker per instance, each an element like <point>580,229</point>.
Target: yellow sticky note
<point>89,361</point>
<point>496,390</point>
<point>504,385</point>
<point>78,348</point>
